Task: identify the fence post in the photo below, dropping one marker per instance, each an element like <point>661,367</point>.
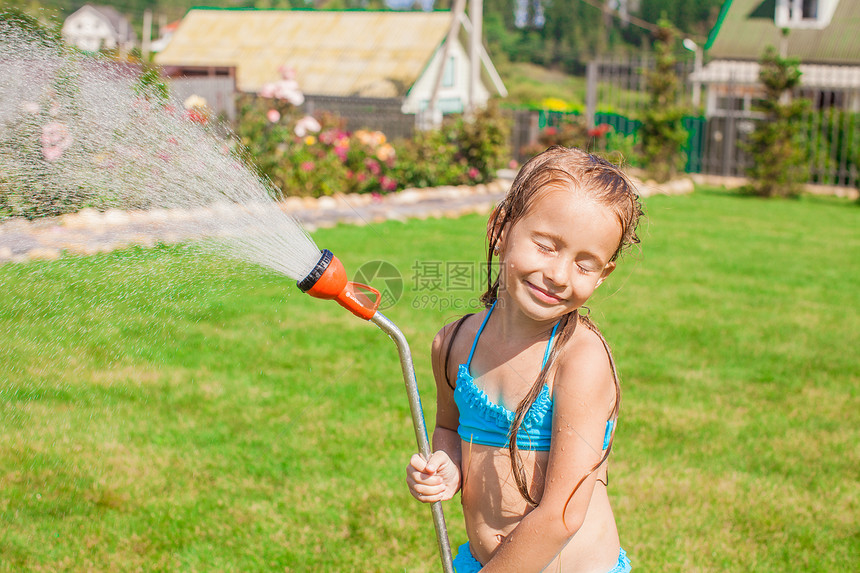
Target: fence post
<point>590,93</point>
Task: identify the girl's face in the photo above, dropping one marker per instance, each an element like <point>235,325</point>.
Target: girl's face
<point>553,258</point>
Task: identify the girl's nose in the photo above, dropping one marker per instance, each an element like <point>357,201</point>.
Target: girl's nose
<point>558,272</point>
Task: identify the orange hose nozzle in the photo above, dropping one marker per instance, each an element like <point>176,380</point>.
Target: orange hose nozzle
<point>328,281</point>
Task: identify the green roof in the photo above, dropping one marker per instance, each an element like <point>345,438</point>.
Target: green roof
<point>746,27</point>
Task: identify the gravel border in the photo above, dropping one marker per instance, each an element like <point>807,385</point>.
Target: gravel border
<point>89,231</point>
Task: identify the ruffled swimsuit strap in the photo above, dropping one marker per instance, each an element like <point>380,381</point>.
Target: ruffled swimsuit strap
<point>477,336</point>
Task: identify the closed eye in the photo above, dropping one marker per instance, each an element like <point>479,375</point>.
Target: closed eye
<point>586,267</point>
<point>543,248</point>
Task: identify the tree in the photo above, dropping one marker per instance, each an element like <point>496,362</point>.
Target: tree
<point>778,155</point>
<point>663,134</point>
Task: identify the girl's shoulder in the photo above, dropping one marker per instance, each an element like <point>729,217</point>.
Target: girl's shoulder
<point>457,332</point>
<point>584,362</point>
<point>454,340</point>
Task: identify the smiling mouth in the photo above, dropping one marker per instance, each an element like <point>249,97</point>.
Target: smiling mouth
<point>542,294</point>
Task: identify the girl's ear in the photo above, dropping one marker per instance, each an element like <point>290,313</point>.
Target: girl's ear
<point>607,270</point>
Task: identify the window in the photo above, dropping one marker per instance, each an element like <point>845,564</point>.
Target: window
<point>730,103</point>
<point>803,10</point>
<point>449,73</point>
<point>445,105</point>
<point>825,99</point>
<point>815,14</point>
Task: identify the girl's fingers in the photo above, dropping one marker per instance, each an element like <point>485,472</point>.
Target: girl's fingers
<point>424,483</point>
<point>425,489</point>
<point>416,477</point>
<point>436,461</point>
<point>418,462</point>
<point>423,492</point>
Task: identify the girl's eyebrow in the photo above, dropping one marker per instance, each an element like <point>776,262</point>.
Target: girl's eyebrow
<point>551,236</point>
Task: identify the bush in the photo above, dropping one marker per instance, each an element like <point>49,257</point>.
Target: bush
<point>572,131</point>
<point>775,145</point>
<point>662,132</point>
<point>461,152</point>
<point>329,159</point>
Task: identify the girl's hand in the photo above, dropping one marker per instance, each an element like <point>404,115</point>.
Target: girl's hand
<point>436,479</point>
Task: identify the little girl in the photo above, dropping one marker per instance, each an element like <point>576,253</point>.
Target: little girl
<point>527,392</point>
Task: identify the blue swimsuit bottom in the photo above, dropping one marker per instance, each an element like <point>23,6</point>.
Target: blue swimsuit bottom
<point>486,423</point>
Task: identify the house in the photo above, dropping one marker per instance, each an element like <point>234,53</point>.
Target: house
<point>822,34</point>
<point>166,34</point>
<point>339,57</point>
<point>94,28</point>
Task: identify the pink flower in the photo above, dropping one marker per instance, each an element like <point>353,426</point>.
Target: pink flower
<point>273,115</point>
<point>286,89</point>
<point>287,72</point>
<point>512,164</point>
<point>267,90</point>
<point>308,124</point>
<point>473,173</point>
<point>387,183</point>
<point>361,177</point>
<point>372,166</point>
<point>307,166</point>
<point>55,140</point>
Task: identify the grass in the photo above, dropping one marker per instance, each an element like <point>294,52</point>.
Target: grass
<point>529,84</point>
<point>165,411</point>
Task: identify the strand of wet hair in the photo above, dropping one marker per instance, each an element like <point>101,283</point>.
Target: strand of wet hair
<point>590,324</point>
<point>566,331</point>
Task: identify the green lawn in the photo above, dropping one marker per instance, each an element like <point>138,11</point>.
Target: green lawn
<point>161,410</point>
<point>529,84</point>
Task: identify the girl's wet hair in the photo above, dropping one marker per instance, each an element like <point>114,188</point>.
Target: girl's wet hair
<point>580,172</point>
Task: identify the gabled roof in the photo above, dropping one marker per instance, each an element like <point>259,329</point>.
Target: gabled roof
<point>370,54</point>
<point>746,27</point>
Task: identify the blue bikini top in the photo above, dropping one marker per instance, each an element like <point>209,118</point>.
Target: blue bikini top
<point>483,422</point>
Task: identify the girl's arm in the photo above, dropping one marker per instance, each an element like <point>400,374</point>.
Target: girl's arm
<point>583,396</point>
<point>439,477</point>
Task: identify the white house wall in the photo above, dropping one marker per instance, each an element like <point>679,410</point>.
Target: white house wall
<point>419,96</point>
<point>89,31</point>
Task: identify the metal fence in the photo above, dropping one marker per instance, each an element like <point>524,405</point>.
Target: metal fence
<point>218,91</point>
<point>366,113</point>
<point>829,130</point>
<point>617,94</point>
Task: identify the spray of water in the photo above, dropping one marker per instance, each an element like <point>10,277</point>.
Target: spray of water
<point>79,131</point>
